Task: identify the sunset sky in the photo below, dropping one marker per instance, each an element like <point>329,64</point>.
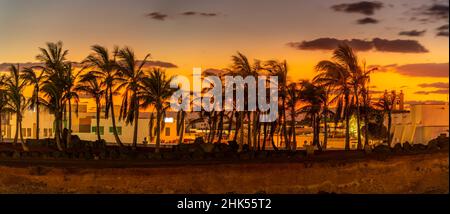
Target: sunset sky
<point>407,39</point>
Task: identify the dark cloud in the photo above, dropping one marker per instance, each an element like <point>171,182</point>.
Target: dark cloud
<point>157,16</point>
<point>213,71</point>
<point>440,85</point>
<point>363,7</point>
<point>193,13</point>
<point>442,28</point>
<point>424,70</point>
<point>440,91</point>
<point>400,46</point>
<point>412,33</point>
<point>384,45</point>
<point>367,20</point>
<point>442,33</point>
<point>430,13</point>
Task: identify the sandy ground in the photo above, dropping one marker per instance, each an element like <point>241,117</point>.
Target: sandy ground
<point>423,173</point>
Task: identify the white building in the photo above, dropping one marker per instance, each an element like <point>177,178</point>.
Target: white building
<point>84,125</point>
<point>421,124</point>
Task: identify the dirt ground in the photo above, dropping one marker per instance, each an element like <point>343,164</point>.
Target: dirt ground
<point>420,173</point>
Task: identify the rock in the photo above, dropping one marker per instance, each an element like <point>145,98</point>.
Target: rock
<point>433,145</point>
<point>207,147</point>
<point>419,147</point>
<point>407,147</point>
<point>398,148</point>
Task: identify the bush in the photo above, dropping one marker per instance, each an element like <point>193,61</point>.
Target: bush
<point>407,147</point>
<point>419,147</point>
<point>16,155</point>
<point>382,149</point>
<point>398,148</point>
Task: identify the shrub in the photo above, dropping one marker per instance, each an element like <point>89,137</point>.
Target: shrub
<point>382,149</point>
<point>398,148</point>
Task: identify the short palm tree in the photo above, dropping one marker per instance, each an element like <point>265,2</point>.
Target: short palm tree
<point>155,90</point>
<point>35,80</point>
<point>293,99</point>
<point>387,104</point>
<point>17,102</point>
<point>3,102</point>
<point>132,71</point>
<point>70,95</point>
<point>313,96</point>
<point>90,85</point>
<point>104,68</point>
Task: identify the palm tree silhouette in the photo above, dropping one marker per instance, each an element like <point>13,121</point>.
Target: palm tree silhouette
<point>69,79</point>
<point>293,98</point>
<point>387,103</point>
<point>3,102</point>
<point>53,86</point>
<point>89,84</point>
<point>314,97</point>
<point>154,90</point>
<point>17,102</point>
<point>33,79</point>
<point>104,66</point>
<point>132,71</point>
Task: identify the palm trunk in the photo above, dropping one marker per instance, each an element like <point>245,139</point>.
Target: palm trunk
<point>182,127</point>
<point>16,136</point>
<point>136,122</point>
<point>98,121</point>
<point>241,128</point>
<point>325,132</point>
<point>158,131</point>
<point>358,119</point>
<point>389,138</point>
<point>347,122</point>
<point>294,139</point>
<point>37,119</point>
<point>221,126</point>
<point>366,120</point>
<point>249,129</point>
<point>1,131</point>
<point>58,121</point>
<point>113,119</point>
<point>22,142</point>
<point>264,136</point>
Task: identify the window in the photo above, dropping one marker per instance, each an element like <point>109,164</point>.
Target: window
<point>28,132</point>
<point>45,132</point>
<point>118,128</point>
<point>102,130</point>
<point>50,132</point>
<point>167,132</point>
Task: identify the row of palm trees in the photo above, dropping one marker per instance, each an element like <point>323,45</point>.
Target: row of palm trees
<point>340,90</point>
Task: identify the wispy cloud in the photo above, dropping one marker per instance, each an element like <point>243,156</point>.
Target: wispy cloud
<point>440,91</point>
<point>413,33</point>
<point>367,20</point>
<point>440,85</point>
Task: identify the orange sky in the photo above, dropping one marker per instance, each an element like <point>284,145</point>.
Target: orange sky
<point>259,29</point>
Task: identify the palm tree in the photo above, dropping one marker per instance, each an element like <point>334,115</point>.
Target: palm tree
<point>133,74</point>
<point>17,103</point>
<point>336,75</point>
<point>53,87</point>
<point>280,69</point>
<point>154,90</point>
<point>90,85</point>
<point>102,60</point>
<point>293,98</point>
<point>35,80</point>
<point>387,104</point>
<point>3,102</point>
<point>313,96</point>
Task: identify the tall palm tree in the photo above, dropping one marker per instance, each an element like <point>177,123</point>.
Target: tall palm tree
<point>17,103</point>
<point>53,87</point>
<point>90,85</point>
<point>280,69</point>
<point>154,90</point>
<point>104,66</point>
<point>133,74</point>
<point>36,80</point>
<point>336,75</point>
